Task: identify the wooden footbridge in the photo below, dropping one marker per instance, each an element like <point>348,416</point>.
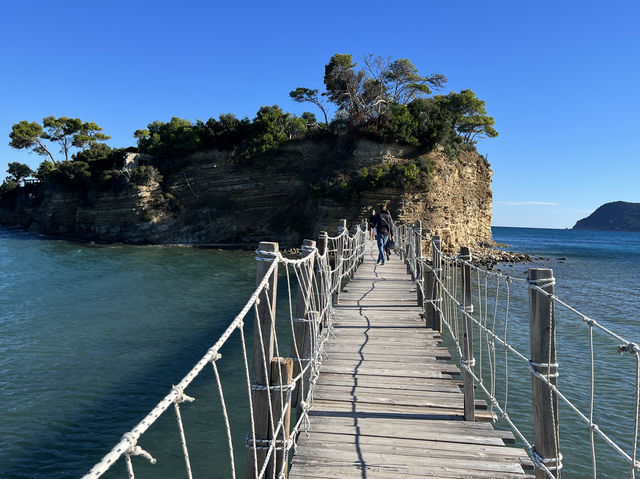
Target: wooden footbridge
<point>388,402</point>
<point>349,377</point>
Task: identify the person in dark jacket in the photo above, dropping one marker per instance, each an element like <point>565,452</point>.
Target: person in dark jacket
<point>370,222</point>
<point>384,230</point>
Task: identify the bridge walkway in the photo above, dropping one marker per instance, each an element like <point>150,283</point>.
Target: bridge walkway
<point>388,402</point>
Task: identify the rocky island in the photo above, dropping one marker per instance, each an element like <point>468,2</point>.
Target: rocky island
<point>615,216</point>
<point>276,177</point>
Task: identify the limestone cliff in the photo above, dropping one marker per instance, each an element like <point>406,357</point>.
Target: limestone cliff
<point>213,199</point>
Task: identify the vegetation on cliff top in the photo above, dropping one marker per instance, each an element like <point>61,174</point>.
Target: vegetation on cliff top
<point>384,100</point>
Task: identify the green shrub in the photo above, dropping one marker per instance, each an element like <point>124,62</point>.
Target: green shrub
<point>45,170</point>
<point>73,173</point>
<point>7,187</point>
<point>143,175</point>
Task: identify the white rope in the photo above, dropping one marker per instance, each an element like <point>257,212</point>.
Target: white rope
<point>321,286</point>
<point>181,397</point>
<point>448,307</point>
<point>224,414</point>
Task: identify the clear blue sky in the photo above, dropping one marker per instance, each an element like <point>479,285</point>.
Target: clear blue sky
<point>561,79</point>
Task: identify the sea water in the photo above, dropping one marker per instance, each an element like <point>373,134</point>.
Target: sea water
<point>92,337</point>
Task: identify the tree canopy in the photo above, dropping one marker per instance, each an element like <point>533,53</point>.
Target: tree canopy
<point>18,171</point>
<point>392,99</point>
<point>468,115</point>
<point>380,98</point>
<point>66,132</point>
<point>370,92</point>
<point>301,95</point>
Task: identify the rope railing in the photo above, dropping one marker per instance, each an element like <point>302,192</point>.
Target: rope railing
<point>475,307</point>
<point>281,370</point>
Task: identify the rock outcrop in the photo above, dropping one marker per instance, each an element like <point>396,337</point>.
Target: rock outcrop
<point>213,199</point>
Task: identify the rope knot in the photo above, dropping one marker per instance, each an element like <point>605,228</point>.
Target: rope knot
<point>181,396</point>
<point>470,362</point>
<point>542,463</point>
<point>269,256</point>
<point>536,369</point>
<point>541,282</point>
<point>135,450</point>
<point>631,348</point>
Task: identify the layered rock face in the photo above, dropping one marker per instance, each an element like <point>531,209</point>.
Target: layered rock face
<point>219,201</point>
<point>457,206</point>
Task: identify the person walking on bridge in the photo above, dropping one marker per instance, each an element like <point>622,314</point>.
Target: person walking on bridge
<point>384,231</point>
<point>370,222</point>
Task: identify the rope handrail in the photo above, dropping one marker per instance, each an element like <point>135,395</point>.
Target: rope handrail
<point>314,319</point>
<point>454,313</point>
<point>137,431</point>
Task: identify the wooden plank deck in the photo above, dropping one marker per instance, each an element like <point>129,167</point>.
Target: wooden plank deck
<point>388,402</point>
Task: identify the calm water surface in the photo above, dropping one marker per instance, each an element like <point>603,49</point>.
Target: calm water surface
<point>91,337</point>
<point>599,274</point>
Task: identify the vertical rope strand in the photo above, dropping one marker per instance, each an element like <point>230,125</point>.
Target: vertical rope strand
<point>183,440</point>
<point>225,415</point>
<point>593,446</point>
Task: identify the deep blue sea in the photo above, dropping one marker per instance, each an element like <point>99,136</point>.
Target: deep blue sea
<point>92,337</point>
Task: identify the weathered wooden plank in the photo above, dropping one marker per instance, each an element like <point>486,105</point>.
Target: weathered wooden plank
<point>409,384</point>
<point>417,447</point>
<point>411,446</point>
<point>367,456</point>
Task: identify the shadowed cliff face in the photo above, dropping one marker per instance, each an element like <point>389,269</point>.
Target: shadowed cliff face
<point>219,201</point>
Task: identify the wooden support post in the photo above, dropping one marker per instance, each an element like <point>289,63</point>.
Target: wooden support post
<point>407,241</point>
<point>281,375</point>
<point>419,269</point>
<point>542,327</point>
<point>409,248</point>
<point>436,290</point>
<point>339,260</point>
<point>263,334</point>
<point>428,294</point>
<point>309,343</point>
<point>301,327</point>
<point>321,276</point>
<point>467,306</point>
<point>363,238</point>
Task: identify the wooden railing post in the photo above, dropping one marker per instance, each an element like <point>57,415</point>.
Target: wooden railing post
<point>321,277</point>
<point>468,359</point>
<point>409,249</point>
<point>300,348</point>
<point>281,376</point>
<point>342,226</point>
<point>263,335</point>
<point>436,290</point>
<point>419,268</point>
<point>542,327</point>
<point>364,235</point>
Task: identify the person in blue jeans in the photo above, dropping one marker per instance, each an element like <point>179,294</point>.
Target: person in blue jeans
<point>384,230</point>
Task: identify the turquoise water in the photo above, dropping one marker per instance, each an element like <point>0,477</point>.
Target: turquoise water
<point>598,273</point>
<point>91,337</point>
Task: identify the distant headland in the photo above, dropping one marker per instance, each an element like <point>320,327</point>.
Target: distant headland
<point>615,216</point>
